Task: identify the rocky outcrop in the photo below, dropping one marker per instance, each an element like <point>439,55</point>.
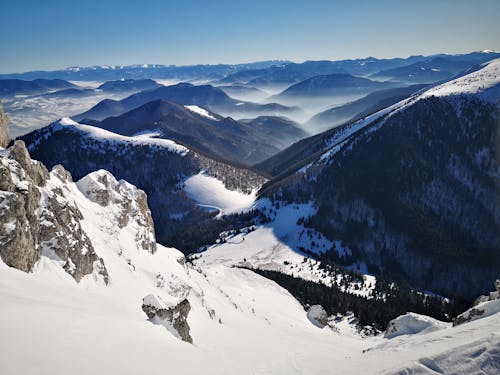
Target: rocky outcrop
<point>411,324</point>
<point>317,315</point>
<point>37,218</point>
<point>173,317</point>
<point>127,203</point>
<point>483,306</point>
<point>4,128</point>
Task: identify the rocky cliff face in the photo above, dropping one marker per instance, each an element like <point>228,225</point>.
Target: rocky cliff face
<point>4,128</point>
<point>40,214</point>
<point>37,218</point>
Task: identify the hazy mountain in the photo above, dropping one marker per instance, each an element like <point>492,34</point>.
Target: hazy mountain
<point>435,68</point>
<point>206,96</point>
<point>116,72</point>
<point>10,87</point>
<point>129,85</point>
<point>359,108</point>
<point>333,85</point>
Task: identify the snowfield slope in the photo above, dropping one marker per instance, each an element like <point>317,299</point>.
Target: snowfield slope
<point>239,322</point>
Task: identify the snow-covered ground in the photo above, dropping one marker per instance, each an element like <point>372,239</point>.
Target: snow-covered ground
<point>240,322</point>
<point>211,193</point>
<point>201,111</point>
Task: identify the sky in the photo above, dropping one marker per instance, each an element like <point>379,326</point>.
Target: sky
<point>54,34</point>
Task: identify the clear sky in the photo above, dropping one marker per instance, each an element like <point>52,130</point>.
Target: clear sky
<point>51,34</point>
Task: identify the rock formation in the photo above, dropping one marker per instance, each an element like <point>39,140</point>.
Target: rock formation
<point>4,128</point>
<point>172,317</point>
<point>125,201</point>
<point>36,218</point>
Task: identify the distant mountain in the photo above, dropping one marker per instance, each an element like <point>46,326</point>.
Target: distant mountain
<point>116,72</point>
<point>244,92</point>
<point>9,87</point>
<point>435,68</point>
<point>278,131</point>
<point>206,132</point>
<point>158,166</point>
<point>411,190</point>
<point>129,85</point>
<point>206,96</point>
<point>333,85</point>
<point>73,92</point>
<point>359,108</point>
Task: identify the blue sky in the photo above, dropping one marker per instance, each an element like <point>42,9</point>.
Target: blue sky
<point>47,34</point>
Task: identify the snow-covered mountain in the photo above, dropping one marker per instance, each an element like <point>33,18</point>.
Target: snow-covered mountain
<point>161,167</point>
<point>143,308</point>
<point>411,189</point>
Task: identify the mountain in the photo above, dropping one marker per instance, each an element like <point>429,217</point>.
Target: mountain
<point>360,108</point>
<point>435,68</point>
<point>141,71</point>
<point>95,267</point>
<point>206,96</point>
<point>411,189</point>
<point>278,131</point>
<point>199,129</point>
<point>180,183</point>
<point>333,85</point>
<point>129,85</point>
<point>244,92</point>
<point>11,87</point>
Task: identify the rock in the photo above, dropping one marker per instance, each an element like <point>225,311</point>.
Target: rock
<point>490,297</point>
<point>36,218</point>
<point>483,306</point>
<point>411,324</point>
<point>174,318</point>
<point>4,128</point>
<point>317,315</point>
<point>128,203</point>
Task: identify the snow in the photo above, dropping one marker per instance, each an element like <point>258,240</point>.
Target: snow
<point>201,111</point>
<point>211,193</point>
<point>240,322</point>
<point>101,134</point>
<point>412,323</point>
<point>483,83</point>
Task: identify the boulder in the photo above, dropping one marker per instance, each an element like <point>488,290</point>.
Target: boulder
<point>173,317</point>
<point>317,315</point>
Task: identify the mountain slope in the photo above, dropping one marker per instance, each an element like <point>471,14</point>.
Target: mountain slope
<point>333,85</point>
<point>359,108</point>
<point>10,87</point>
<point>412,188</point>
<point>244,142</point>
<point>211,306</point>
<point>160,168</point>
<point>129,85</point>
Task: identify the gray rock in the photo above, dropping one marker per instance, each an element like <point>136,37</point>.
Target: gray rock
<point>317,315</point>
<point>174,318</point>
<point>4,128</point>
<point>32,223</point>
